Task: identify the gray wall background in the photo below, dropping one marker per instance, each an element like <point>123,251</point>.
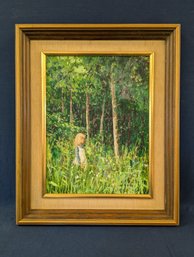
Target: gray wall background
<point>91,241</point>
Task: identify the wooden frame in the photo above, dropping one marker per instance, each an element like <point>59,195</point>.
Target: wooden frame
<point>26,210</point>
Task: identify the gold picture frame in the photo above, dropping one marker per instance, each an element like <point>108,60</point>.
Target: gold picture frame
<point>159,41</point>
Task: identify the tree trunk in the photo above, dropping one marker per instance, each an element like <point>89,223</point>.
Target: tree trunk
<point>62,101</point>
<point>114,116</point>
<point>102,120</point>
<point>88,115</point>
<point>129,129</point>
<point>71,107</point>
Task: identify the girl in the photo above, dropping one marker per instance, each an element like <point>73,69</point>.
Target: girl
<point>80,156</point>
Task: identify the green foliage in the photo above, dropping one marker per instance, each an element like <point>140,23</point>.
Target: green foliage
<point>58,129</point>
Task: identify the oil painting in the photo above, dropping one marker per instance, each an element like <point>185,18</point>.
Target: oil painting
<point>97,124</point>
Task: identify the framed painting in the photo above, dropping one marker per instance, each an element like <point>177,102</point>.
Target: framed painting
<point>97,124</point>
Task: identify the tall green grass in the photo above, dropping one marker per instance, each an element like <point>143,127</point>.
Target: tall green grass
<point>104,174</point>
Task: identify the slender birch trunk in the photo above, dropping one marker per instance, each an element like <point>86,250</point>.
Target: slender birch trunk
<point>129,129</point>
<point>102,120</point>
<point>114,116</point>
<point>71,107</point>
<point>62,101</point>
<point>88,115</point>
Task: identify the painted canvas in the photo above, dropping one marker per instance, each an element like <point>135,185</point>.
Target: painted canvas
<point>97,124</point>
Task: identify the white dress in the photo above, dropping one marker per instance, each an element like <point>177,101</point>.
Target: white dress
<point>81,158</point>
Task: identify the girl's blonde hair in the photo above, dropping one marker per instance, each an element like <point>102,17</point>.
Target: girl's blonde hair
<point>79,139</point>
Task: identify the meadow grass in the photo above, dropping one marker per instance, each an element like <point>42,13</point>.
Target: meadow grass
<point>104,174</point>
